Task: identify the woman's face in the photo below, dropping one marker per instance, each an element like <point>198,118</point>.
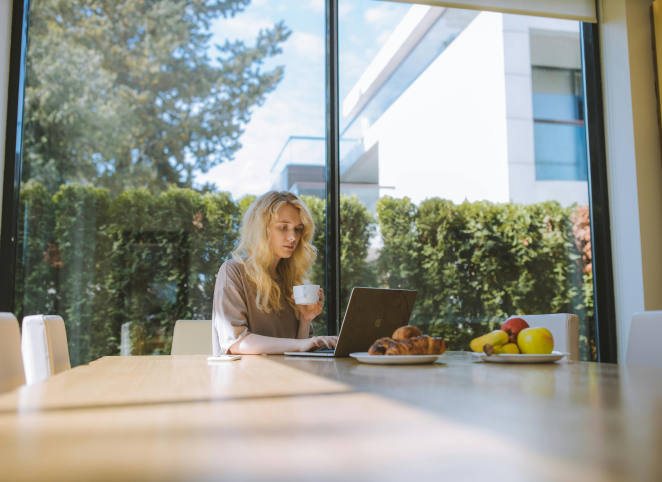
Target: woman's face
<point>286,231</point>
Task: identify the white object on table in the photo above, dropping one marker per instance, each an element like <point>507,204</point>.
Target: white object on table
<point>44,347</point>
<point>643,342</point>
<point>365,357</point>
<point>521,358</point>
<point>192,337</point>
<point>11,363</point>
<point>222,358</point>
<point>564,328</point>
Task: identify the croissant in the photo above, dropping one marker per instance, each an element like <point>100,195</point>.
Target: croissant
<point>420,345</point>
<point>379,347</point>
<point>405,332</point>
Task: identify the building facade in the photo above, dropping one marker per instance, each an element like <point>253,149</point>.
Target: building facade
<point>462,105</point>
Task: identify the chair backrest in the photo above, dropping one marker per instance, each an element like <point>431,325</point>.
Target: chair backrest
<point>11,363</point>
<point>643,342</point>
<point>44,347</point>
<point>564,328</point>
<point>192,337</point>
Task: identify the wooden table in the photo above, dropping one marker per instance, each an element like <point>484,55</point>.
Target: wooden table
<point>281,418</point>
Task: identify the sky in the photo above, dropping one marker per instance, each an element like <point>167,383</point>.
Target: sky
<point>297,106</point>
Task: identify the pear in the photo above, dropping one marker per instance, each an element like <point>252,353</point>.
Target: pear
<point>495,338</point>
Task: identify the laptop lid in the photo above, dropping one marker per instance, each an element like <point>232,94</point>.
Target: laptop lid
<point>373,313</point>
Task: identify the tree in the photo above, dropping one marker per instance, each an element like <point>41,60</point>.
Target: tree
<point>124,93</point>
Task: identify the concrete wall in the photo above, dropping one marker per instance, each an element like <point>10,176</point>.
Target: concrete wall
<point>448,125</point>
<point>455,147</point>
<point>647,149</point>
<point>5,32</point>
<point>524,188</point>
<point>633,159</point>
<point>519,109</point>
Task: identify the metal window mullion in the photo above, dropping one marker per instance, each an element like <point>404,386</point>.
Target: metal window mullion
<point>11,182</point>
<point>603,271</point>
<point>332,172</point>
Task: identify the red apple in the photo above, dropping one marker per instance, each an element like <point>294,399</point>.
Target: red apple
<point>513,326</point>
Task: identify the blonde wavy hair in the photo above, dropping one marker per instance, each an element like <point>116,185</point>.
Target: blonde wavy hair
<point>254,250</point>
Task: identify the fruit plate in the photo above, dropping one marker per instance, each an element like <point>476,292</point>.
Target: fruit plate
<point>520,358</point>
<point>365,357</point>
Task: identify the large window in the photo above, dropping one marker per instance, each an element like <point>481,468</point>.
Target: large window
<point>467,180</point>
<point>150,127</point>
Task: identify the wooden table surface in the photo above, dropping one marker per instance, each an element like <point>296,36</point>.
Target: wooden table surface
<point>283,418</point>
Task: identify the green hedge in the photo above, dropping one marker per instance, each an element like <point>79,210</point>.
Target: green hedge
<point>357,226</point>
<point>475,264</point>
<point>140,258</point>
<point>151,260</point>
<point>145,259</point>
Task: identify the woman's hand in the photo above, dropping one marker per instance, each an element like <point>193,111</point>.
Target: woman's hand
<point>319,341</point>
<point>309,312</point>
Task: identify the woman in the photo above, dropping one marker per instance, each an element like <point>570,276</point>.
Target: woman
<point>254,308</point>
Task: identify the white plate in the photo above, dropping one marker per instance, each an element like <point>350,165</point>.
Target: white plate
<point>365,357</point>
<point>520,358</point>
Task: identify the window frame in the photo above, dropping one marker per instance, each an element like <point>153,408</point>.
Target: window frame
<point>605,311</point>
<point>332,268</point>
<point>598,190</point>
<point>13,162</point>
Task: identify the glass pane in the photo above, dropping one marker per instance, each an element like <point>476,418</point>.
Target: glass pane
<point>560,152</point>
<point>467,179</point>
<point>151,126</point>
<point>558,121</point>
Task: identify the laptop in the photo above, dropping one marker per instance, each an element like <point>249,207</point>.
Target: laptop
<point>372,313</point>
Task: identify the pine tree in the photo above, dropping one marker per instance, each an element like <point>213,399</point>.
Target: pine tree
<point>125,93</point>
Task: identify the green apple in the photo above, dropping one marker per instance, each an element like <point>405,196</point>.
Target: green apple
<point>535,341</point>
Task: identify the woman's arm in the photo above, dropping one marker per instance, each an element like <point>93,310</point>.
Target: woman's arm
<point>303,331</point>
<point>253,344</point>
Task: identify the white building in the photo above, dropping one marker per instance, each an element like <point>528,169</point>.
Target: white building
<point>462,105</point>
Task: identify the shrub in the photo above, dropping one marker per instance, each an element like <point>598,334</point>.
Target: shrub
<point>317,208</point>
<point>37,255</point>
<point>151,260</point>
<point>144,259</point>
<point>79,235</point>
<point>356,229</point>
<point>475,264</point>
<point>166,251</point>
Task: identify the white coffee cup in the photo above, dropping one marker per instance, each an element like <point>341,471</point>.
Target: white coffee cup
<point>306,294</point>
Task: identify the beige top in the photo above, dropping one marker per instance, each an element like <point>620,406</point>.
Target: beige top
<point>235,313</point>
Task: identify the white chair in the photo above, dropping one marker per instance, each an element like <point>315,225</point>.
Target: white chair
<point>644,340</point>
<point>192,337</point>
<point>11,363</point>
<point>564,328</point>
<point>44,347</point>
